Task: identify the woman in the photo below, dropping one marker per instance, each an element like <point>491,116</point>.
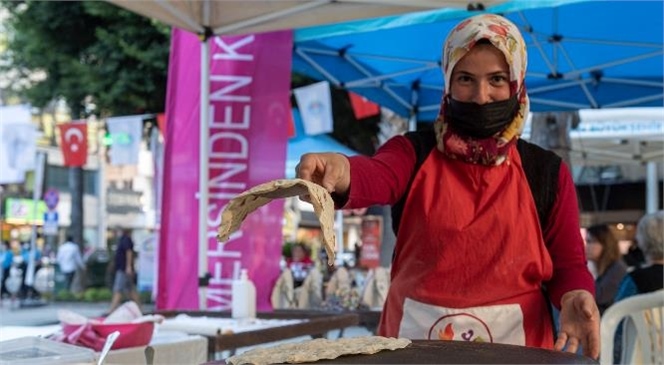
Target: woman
<point>650,239</point>
<point>471,258</point>
<point>300,263</point>
<point>603,251</point>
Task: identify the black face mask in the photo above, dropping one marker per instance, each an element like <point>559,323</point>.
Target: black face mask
<point>480,121</point>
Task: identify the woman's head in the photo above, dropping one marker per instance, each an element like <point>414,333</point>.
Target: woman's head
<point>650,235</point>
<point>602,247</point>
<point>484,66</point>
<point>298,252</point>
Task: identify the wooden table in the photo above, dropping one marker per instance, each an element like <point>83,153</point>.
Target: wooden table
<point>459,352</point>
<point>316,324</point>
<point>369,319</point>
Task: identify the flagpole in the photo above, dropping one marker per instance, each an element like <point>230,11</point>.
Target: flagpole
<point>101,183</point>
<point>203,175</point>
<point>36,194</point>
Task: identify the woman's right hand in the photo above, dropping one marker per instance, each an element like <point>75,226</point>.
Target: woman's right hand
<point>329,170</point>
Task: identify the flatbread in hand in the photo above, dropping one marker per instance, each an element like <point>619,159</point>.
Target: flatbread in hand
<point>318,349</point>
<point>239,207</point>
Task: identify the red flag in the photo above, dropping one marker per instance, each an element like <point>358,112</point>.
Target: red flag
<point>161,123</point>
<point>291,125</point>
<point>74,143</point>
<point>362,107</point>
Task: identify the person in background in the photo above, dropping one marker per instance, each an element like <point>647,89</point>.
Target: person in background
<point>69,260</point>
<point>603,251</point>
<point>300,263</point>
<point>124,271</point>
<point>6,262</point>
<point>470,248</point>
<point>28,291</point>
<point>634,257</point>
<point>650,239</point>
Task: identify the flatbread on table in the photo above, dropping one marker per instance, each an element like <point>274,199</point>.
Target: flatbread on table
<point>318,349</point>
<point>239,207</point>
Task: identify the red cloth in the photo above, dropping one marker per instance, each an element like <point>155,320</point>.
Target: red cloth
<point>74,143</point>
<point>362,107</point>
<point>385,177</point>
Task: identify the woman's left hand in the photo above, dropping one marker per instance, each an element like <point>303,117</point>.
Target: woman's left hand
<point>579,324</point>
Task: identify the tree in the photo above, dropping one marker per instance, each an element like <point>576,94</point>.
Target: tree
<point>99,58</point>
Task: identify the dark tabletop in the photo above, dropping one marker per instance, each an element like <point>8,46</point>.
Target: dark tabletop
<point>459,352</point>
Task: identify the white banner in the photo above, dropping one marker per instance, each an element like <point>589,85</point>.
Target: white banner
<point>126,135</point>
<point>315,105</point>
<point>18,138</point>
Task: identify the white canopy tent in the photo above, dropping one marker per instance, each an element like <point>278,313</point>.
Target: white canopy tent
<point>628,137</point>
<point>208,18</point>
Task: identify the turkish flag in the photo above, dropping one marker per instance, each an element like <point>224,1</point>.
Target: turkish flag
<point>362,107</point>
<point>161,123</point>
<point>74,143</point>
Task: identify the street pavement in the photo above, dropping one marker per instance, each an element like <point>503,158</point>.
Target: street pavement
<point>13,315</point>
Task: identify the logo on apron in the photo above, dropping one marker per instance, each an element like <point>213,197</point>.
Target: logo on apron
<point>460,327</point>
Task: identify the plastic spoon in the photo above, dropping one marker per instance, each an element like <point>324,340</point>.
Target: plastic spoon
<point>110,340</point>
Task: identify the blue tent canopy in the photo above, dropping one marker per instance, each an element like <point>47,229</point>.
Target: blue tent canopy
<point>302,143</point>
<point>582,54</point>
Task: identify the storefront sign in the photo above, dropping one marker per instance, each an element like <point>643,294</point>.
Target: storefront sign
<point>372,228</point>
<point>123,201</point>
<point>22,211</point>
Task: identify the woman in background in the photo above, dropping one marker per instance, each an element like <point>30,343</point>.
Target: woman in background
<point>650,239</point>
<point>300,263</point>
<point>603,250</point>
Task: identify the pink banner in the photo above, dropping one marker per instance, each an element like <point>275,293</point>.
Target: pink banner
<point>249,106</point>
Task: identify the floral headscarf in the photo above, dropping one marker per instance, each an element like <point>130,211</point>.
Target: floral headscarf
<point>505,36</point>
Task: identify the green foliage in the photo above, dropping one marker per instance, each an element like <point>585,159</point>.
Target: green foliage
<point>64,296</point>
<point>87,53</point>
<point>104,294</point>
<point>286,249</point>
<point>145,296</point>
<point>90,295</point>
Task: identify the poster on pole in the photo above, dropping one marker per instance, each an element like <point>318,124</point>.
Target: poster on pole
<point>248,128</point>
<point>371,237</point>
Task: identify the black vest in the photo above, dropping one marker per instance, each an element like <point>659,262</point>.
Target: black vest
<point>648,279</point>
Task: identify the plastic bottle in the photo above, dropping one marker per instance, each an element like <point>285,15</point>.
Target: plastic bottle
<point>244,297</point>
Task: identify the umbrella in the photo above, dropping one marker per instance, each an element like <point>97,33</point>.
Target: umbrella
<point>582,54</point>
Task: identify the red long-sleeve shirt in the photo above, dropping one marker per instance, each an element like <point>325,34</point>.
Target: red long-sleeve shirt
<point>383,179</point>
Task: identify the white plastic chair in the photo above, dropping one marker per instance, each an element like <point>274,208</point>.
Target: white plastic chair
<point>641,316</point>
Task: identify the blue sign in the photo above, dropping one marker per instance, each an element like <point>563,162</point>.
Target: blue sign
<point>51,223</point>
<point>51,198</point>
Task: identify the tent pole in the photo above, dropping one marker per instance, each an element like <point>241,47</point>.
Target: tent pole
<point>412,123</point>
<point>203,175</point>
<point>340,232</point>
<point>652,188</point>
<point>414,99</point>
